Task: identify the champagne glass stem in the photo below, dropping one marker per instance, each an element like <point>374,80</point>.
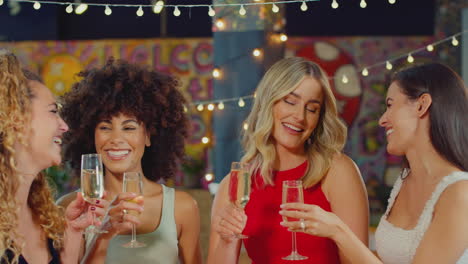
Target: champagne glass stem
<point>294,244</point>
<point>133,233</point>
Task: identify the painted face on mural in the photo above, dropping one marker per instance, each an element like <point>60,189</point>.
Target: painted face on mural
<point>399,120</point>
<point>296,116</point>
<point>121,141</point>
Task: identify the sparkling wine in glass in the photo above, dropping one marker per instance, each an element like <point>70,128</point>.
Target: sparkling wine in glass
<point>133,182</point>
<point>92,182</point>
<point>239,187</point>
<point>293,193</point>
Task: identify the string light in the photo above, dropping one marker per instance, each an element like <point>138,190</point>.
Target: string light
<point>275,8</point>
<point>430,47</point>
<point>37,5</point>
<point>256,52</point>
<point>410,58</point>
<point>209,177</point>
<point>205,140</point>
<point>185,109</point>
<point>200,107</point>
<point>140,12</point>
<point>365,72</point>
<point>344,79</point>
<point>241,102</point>
<point>242,10</point>
<point>392,1</point>
<point>1,2</point>
<point>69,9</point>
<point>388,65</point>
<point>255,95</point>
<point>221,106</point>
<point>81,8</point>
<point>108,11</point>
<point>211,11</point>
<point>176,11</point>
<point>363,4</point>
<point>283,37</point>
<point>158,7</point>
<point>454,41</point>
<point>304,6</point>
<point>335,4</point>
<point>216,73</point>
<point>210,107</point>
<point>245,126</point>
<point>220,24</point>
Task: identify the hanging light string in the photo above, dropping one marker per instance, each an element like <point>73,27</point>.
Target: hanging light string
<point>165,5</point>
<point>200,105</point>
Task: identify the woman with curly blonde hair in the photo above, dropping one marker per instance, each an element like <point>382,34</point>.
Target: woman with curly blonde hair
<point>294,134</point>
<point>32,227</point>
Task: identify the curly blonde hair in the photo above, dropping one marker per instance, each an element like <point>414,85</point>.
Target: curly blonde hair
<point>15,109</point>
<point>327,139</point>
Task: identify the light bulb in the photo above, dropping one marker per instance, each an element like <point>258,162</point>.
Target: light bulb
<point>221,106</point>
<point>246,126</point>
<point>335,4</point>
<point>255,95</point>
<point>275,8</point>
<point>37,5</point>
<point>211,11</point>
<point>200,107</point>
<point>216,73</point>
<point>344,79</point>
<point>454,41</point>
<point>205,140</point>
<point>185,109</point>
<point>410,58</point>
<point>69,9</point>
<point>209,177</point>
<point>392,1</point>
<point>304,6</point>
<point>140,12</point>
<point>430,47</point>
<point>241,103</point>
<point>176,11</point>
<point>81,8</point>
<point>158,7</point>
<point>242,11</point>
<point>1,2</point>
<point>220,24</point>
<point>363,4</point>
<point>256,52</point>
<point>365,72</point>
<point>388,65</point>
<point>108,11</point>
<point>210,107</point>
<point>283,37</point>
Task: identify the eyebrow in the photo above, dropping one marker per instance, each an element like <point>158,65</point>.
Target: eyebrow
<point>310,101</point>
<point>123,123</point>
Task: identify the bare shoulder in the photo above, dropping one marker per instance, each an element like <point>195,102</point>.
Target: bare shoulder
<point>343,167</point>
<point>454,197</point>
<point>66,199</point>
<point>185,203</point>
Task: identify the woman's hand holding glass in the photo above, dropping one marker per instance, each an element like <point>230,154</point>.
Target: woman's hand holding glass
<point>315,221</point>
<point>79,214</point>
<point>230,222</point>
<point>119,221</point>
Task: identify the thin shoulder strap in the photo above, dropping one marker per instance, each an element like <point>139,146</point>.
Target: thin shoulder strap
<point>168,205</point>
<point>426,216</point>
<point>396,190</point>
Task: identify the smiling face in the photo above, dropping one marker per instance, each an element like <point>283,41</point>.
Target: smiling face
<point>399,120</point>
<point>47,127</point>
<point>297,115</point>
<point>121,141</point>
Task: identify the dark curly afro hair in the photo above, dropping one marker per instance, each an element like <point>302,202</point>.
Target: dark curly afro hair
<point>120,87</point>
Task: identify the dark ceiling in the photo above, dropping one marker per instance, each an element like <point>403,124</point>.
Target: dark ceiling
<point>51,22</point>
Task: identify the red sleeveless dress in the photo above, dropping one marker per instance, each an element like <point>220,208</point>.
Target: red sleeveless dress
<point>268,241</point>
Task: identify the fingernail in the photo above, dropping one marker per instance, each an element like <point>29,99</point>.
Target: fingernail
<point>281,212</point>
<point>282,223</point>
<point>97,201</point>
<point>93,208</point>
<point>282,206</point>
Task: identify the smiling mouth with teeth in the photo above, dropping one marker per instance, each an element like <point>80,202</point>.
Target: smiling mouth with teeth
<point>58,141</point>
<point>293,127</point>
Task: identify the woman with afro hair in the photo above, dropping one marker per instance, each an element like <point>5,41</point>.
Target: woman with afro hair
<point>134,117</point>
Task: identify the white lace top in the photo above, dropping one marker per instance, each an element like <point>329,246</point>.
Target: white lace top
<point>398,246</point>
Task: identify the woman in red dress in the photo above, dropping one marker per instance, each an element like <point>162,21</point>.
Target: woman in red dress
<point>294,134</point>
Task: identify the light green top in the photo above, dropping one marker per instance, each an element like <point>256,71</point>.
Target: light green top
<point>161,244</point>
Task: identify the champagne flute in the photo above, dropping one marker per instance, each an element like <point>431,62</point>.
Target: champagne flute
<point>92,183</point>
<point>133,182</point>
<point>239,187</point>
<point>292,193</point>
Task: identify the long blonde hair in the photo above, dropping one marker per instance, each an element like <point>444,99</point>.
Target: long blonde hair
<point>327,139</point>
<point>15,109</point>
